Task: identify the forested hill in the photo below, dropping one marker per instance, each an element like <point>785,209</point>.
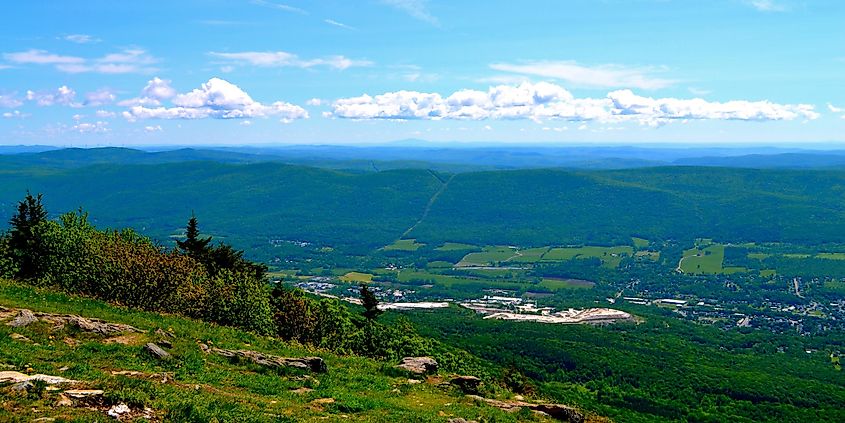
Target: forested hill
<point>253,203</point>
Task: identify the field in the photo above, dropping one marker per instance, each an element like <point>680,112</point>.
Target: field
<point>357,277</point>
<point>455,246</point>
<point>489,256</point>
<point>640,242</point>
<point>707,260</point>
<point>610,256</point>
<point>404,245</point>
<point>556,283</point>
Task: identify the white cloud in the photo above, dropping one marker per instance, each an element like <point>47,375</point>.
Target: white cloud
<point>544,100</point>
<point>63,96</point>
<point>156,128</point>
<point>41,57</point>
<point>767,5</point>
<point>418,9</point>
<point>835,109</point>
<point>285,59</point>
<point>218,99</point>
<point>127,61</point>
<point>81,38</point>
<point>98,127</point>
<point>154,92</point>
<point>280,6</point>
<point>104,114</point>
<point>604,76</point>
<point>9,101</point>
<point>99,97</point>
<point>314,102</point>
<point>339,25</point>
<point>16,114</point>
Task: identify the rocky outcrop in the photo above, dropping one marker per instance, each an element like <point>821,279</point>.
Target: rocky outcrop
<point>558,411</point>
<point>419,365</point>
<point>16,377</point>
<point>24,318</point>
<point>314,364</point>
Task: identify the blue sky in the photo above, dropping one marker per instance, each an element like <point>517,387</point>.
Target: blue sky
<point>90,73</point>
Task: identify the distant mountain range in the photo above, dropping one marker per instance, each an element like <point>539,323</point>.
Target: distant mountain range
<point>440,158</point>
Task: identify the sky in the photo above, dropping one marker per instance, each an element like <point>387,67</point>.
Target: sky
<point>556,72</point>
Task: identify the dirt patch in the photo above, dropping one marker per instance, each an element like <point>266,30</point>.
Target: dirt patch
<point>128,339</point>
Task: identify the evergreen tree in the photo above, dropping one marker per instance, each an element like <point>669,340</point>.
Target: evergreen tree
<point>23,242</point>
<point>370,302</point>
<point>194,245</point>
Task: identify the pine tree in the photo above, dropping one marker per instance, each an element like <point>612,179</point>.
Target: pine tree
<point>23,242</point>
<point>370,302</point>
<point>193,245</point>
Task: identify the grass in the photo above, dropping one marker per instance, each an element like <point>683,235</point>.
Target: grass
<point>758,256</point>
<point>404,245</point>
<point>556,283</point>
<point>204,387</point>
<point>610,256</point>
<point>530,255</point>
<point>489,255</point>
<point>455,246</point>
<point>640,242</point>
<point>831,256</point>
<point>768,272</point>
<point>707,260</point>
<point>734,269</point>
<point>357,277</point>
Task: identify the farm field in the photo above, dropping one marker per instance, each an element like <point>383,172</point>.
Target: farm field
<point>610,256</point>
<point>404,245</point>
<point>706,260</point>
<point>455,246</point>
<point>357,277</point>
<point>489,255</point>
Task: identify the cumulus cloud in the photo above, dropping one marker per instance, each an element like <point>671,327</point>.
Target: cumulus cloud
<point>604,76</point>
<point>126,61</point>
<point>418,9</point>
<point>81,38</point>
<point>9,101</point>
<point>63,96</point>
<point>314,102</point>
<point>218,99</point>
<point>285,59</point>
<point>104,114</point>
<point>154,92</point>
<point>156,128</point>
<point>545,100</point>
<point>835,109</point>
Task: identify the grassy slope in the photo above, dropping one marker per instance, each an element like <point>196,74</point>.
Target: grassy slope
<point>203,387</point>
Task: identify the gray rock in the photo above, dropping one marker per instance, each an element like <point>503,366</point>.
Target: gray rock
<point>156,351</point>
<point>22,387</point>
<point>24,318</point>
<point>419,365</point>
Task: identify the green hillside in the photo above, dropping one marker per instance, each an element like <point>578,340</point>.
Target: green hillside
<point>253,204</point>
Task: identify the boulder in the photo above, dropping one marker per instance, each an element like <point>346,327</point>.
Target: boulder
<point>24,318</point>
<point>156,351</point>
<point>467,384</point>
<point>419,365</point>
